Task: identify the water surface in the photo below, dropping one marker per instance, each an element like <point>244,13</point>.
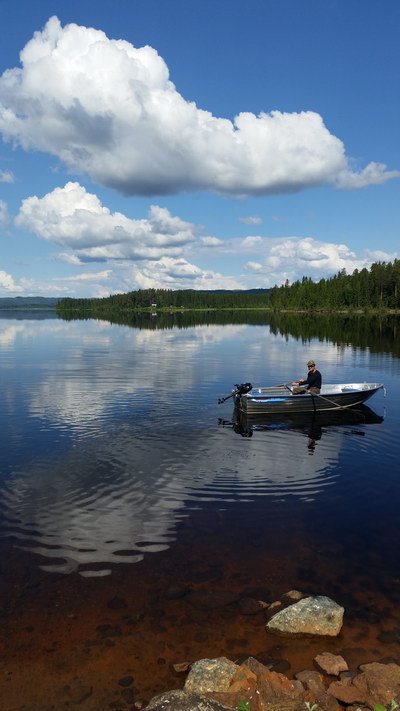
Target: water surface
<point>136,513</point>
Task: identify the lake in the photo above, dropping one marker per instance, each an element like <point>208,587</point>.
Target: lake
<point>137,517</point>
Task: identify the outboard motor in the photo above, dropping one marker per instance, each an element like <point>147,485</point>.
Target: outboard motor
<point>238,390</point>
<point>242,389</point>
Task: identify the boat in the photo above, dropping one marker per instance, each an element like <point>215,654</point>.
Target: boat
<point>282,399</point>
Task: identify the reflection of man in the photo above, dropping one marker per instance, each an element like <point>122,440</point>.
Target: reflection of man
<point>314,434</point>
<point>311,384</point>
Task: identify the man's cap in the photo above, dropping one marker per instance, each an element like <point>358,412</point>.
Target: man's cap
<point>310,362</point>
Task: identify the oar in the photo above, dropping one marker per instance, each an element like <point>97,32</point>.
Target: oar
<point>280,385</point>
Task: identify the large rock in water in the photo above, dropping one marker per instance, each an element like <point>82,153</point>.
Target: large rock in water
<point>311,616</point>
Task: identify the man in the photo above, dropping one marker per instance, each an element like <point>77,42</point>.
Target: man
<point>311,384</point>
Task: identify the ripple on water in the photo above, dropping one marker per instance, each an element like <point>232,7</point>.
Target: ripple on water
<point>112,499</point>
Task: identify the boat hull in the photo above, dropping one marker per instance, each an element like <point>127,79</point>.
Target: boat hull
<point>282,400</point>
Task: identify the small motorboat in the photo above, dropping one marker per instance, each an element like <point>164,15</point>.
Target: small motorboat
<point>282,399</point>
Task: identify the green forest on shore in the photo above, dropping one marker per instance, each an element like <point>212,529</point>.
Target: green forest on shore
<point>366,290</point>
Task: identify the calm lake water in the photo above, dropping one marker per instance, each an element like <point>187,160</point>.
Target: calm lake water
<point>135,516</point>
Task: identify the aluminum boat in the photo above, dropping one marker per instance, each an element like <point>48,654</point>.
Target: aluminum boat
<point>282,399</point>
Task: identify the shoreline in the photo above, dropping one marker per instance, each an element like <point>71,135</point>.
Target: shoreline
<point>167,310</point>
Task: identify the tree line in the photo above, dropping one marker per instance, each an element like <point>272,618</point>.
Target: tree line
<point>377,288</point>
<point>167,299</point>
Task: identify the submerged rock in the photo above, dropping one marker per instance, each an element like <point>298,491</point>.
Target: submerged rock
<point>311,616</point>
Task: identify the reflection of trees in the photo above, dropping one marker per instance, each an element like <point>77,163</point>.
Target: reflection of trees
<point>184,319</point>
<point>377,333</point>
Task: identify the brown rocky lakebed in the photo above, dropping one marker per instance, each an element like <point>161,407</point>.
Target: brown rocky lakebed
<point>113,641</point>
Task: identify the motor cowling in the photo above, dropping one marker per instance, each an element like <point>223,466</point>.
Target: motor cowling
<point>242,388</point>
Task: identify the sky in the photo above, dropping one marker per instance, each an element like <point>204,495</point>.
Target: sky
<point>196,145</point>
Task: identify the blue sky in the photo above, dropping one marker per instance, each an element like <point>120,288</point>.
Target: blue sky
<point>175,144</point>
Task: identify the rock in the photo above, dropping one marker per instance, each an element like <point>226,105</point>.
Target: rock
<point>250,606</point>
<point>180,667</point>
<point>274,606</point>
<point>311,680</point>
<point>256,667</point>
<point>331,663</point>
<point>346,693</point>
<point>125,681</point>
<point>293,596</point>
<point>210,675</point>
<point>378,683</point>
<point>243,680</point>
<point>182,700</point>
<point>232,699</point>
<point>311,616</point>
<point>273,686</point>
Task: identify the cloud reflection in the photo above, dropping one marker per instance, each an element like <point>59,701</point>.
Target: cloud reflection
<point>131,442</point>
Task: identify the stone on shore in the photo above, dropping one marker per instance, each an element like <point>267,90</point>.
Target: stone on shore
<point>224,685</point>
<point>181,700</point>
<point>310,616</point>
<point>331,663</point>
<point>210,675</point>
<point>379,683</point>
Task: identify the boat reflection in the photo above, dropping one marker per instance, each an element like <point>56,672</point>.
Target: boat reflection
<point>312,424</point>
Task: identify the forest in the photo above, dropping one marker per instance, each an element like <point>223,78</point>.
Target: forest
<point>366,290</point>
<point>376,288</point>
<point>168,299</point>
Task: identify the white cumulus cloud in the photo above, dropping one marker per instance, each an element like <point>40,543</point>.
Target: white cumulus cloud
<point>76,219</point>
<point>292,258</point>
<point>170,273</point>
<point>254,267</point>
<point>108,109</point>
<point>372,174</point>
<point>8,285</point>
<point>211,241</point>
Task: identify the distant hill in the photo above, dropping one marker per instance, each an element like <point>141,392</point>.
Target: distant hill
<point>28,302</point>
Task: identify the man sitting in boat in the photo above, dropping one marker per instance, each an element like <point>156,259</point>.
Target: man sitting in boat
<point>311,384</point>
